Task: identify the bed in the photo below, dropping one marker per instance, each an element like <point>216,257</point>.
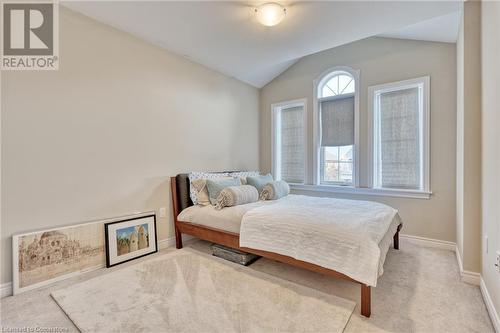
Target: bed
<point>255,227</point>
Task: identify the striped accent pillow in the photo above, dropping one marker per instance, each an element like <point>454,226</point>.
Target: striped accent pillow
<point>236,195</point>
<point>275,190</point>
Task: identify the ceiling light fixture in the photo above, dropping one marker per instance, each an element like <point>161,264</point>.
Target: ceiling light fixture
<point>270,14</point>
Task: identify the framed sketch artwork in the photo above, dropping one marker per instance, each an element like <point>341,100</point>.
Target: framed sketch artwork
<point>45,256</point>
<point>130,239</point>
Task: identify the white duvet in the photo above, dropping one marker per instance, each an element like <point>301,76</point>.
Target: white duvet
<point>349,236</point>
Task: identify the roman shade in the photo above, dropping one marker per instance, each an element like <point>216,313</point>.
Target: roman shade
<point>337,122</point>
<point>292,144</point>
<point>399,139</point>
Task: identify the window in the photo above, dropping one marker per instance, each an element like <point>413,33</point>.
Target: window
<point>400,128</point>
<point>289,132</point>
<point>336,117</point>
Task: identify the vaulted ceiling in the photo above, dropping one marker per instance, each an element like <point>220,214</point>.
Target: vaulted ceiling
<point>226,37</point>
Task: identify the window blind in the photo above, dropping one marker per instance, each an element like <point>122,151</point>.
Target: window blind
<point>337,122</point>
<point>399,139</point>
<point>292,145</point>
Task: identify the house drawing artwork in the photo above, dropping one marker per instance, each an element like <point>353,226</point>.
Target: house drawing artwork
<point>49,254</point>
<point>132,239</point>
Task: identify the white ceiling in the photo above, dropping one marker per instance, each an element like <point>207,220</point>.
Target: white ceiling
<point>438,29</point>
<point>226,37</point>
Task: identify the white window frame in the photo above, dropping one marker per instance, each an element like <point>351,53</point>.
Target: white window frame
<point>276,147</point>
<point>323,78</point>
<point>423,83</point>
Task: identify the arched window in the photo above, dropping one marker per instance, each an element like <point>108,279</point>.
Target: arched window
<point>336,106</point>
<point>337,84</point>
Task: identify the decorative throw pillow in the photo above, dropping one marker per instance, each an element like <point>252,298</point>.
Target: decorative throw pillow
<point>215,186</point>
<point>259,181</point>
<point>275,190</point>
<point>236,195</point>
<point>200,187</point>
<point>243,175</point>
<point>193,192</point>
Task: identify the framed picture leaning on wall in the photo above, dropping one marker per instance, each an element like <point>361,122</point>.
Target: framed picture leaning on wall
<point>46,256</point>
<point>130,239</point>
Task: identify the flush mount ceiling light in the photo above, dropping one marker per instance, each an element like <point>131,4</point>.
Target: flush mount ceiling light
<point>270,14</point>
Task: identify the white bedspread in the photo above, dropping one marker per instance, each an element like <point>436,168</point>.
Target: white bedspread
<point>348,236</point>
<point>228,219</point>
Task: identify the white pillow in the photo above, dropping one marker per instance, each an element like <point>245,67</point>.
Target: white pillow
<point>200,187</point>
<point>242,175</point>
<point>275,190</point>
<point>237,195</point>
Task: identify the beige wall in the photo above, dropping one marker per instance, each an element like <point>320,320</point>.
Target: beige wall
<point>460,141</point>
<point>100,137</point>
<point>382,60</point>
<point>490,36</point>
<point>469,138</point>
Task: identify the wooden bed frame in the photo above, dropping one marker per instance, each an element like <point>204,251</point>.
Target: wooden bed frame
<point>232,240</point>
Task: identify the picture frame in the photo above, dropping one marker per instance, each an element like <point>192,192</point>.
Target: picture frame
<point>45,256</point>
<point>130,239</point>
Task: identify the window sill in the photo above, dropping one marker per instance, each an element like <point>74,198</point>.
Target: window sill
<point>363,191</point>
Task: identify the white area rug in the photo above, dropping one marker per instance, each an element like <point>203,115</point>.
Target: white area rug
<point>185,291</point>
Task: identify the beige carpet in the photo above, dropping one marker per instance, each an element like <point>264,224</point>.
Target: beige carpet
<point>186,291</point>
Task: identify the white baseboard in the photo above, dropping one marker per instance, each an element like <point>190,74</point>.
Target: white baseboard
<point>490,306</point>
<point>466,276</point>
<point>429,242</point>
<point>164,243</point>
<point>5,289</point>
<point>170,242</point>
<point>470,277</point>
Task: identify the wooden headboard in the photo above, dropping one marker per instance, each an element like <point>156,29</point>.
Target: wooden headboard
<point>182,189</point>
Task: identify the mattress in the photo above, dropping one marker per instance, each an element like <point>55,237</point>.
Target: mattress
<point>227,219</point>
